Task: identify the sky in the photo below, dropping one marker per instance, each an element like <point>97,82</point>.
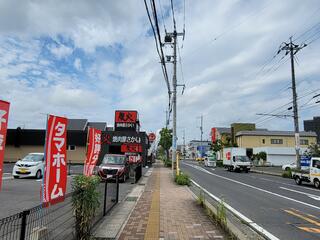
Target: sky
<point>86,59</point>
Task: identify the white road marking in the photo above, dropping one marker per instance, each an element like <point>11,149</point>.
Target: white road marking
<point>254,225</point>
<point>316,197</point>
<point>259,189</point>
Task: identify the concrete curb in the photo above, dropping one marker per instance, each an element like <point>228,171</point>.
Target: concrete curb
<point>239,225</point>
<point>267,173</point>
<point>111,226</point>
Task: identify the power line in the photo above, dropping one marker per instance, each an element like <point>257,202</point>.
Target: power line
<point>156,34</point>
<point>173,18</point>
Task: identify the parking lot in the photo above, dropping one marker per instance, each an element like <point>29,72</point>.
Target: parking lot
<point>19,194</point>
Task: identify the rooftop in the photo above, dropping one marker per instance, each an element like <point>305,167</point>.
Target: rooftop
<point>274,133</point>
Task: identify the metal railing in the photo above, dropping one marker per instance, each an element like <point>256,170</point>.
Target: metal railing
<point>56,221</point>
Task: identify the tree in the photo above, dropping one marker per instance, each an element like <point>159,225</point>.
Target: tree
<point>313,150</point>
<point>217,146</point>
<point>166,140</point>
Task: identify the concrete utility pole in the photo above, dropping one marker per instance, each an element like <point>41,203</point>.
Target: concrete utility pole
<point>168,39</point>
<point>293,49</point>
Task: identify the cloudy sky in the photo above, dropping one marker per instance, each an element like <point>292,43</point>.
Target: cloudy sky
<point>85,59</point>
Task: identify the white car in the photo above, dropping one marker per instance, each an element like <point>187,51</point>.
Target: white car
<point>31,165</point>
<point>288,167</point>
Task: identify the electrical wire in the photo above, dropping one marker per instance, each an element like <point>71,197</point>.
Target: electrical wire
<point>173,17</point>
<point>160,52</point>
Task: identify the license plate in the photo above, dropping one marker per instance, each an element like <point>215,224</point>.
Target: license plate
<point>23,170</point>
<point>109,176</point>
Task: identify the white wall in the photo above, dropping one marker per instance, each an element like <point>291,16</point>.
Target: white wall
<point>279,156</point>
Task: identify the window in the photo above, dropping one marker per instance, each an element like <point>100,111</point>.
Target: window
<point>71,147</point>
<point>276,141</point>
<point>304,142</point>
<point>263,141</point>
<point>316,163</point>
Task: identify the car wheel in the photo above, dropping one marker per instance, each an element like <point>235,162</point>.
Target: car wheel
<point>287,169</point>
<point>16,177</point>
<point>38,174</point>
<point>316,183</point>
<point>298,180</point>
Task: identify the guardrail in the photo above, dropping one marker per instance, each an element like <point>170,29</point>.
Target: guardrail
<point>250,229</point>
<point>56,221</point>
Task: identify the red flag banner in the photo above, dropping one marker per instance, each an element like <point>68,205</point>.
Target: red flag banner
<point>93,150</point>
<point>55,177</point>
<point>4,114</point>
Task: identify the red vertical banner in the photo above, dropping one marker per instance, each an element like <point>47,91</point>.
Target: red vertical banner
<point>93,151</point>
<point>213,135</point>
<point>55,177</point>
<point>4,115</point>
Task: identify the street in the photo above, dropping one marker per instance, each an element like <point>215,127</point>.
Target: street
<point>20,194</point>
<point>281,207</point>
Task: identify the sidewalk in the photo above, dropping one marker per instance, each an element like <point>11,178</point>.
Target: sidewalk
<point>168,211</point>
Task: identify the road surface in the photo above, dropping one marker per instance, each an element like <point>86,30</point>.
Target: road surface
<point>20,194</point>
<point>277,204</point>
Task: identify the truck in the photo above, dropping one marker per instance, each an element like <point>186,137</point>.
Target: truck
<point>210,159</point>
<point>309,173</point>
<point>236,159</point>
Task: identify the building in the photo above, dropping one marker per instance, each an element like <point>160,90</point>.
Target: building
<point>237,127</point>
<point>314,126</point>
<point>223,134</point>
<point>253,139</point>
<point>20,142</point>
<point>194,145</point>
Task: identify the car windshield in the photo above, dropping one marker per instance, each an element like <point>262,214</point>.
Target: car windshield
<point>242,159</point>
<point>113,159</point>
<point>33,158</point>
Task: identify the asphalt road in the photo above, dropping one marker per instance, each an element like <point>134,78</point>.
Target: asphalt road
<point>20,194</point>
<point>277,204</point>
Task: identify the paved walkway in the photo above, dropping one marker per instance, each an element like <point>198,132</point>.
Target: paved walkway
<point>168,211</point>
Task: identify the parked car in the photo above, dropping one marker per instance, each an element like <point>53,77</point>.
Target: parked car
<point>287,167</point>
<point>31,165</point>
<point>114,165</point>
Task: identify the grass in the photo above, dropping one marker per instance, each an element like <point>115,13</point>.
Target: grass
<point>287,174</point>
<point>182,179</point>
<point>219,163</point>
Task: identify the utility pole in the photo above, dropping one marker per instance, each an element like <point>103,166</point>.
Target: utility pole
<point>184,142</point>
<point>168,39</point>
<point>293,49</point>
<point>201,132</point>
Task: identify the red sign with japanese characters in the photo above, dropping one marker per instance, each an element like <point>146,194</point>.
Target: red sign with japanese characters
<point>93,150</point>
<point>133,148</point>
<point>126,116</point>
<point>228,155</point>
<point>4,114</point>
<point>55,177</point>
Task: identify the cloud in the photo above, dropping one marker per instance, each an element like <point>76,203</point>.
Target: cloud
<point>80,58</point>
<point>77,64</point>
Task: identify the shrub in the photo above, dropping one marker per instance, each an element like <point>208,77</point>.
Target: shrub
<point>219,163</point>
<point>167,163</point>
<point>182,179</point>
<point>85,201</point>
<point>287,174</point>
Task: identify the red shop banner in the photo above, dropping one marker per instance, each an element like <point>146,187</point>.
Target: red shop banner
<point>93,150</point>
<point>131,148</point>
<point>4,114</point>
<point>55,177</point>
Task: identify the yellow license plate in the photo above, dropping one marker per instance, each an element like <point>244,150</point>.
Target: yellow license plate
<point>23,170</point>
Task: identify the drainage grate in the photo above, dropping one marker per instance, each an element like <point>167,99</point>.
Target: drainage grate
<point>131,199</point>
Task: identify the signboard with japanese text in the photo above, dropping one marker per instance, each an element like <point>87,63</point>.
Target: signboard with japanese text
<point>4,114</point>
<point>134,159</point>
<point>133,148</point>
<point>305,161</point>
<point>125,120</point>
<point>93,150</point>
<point>55,176</point>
